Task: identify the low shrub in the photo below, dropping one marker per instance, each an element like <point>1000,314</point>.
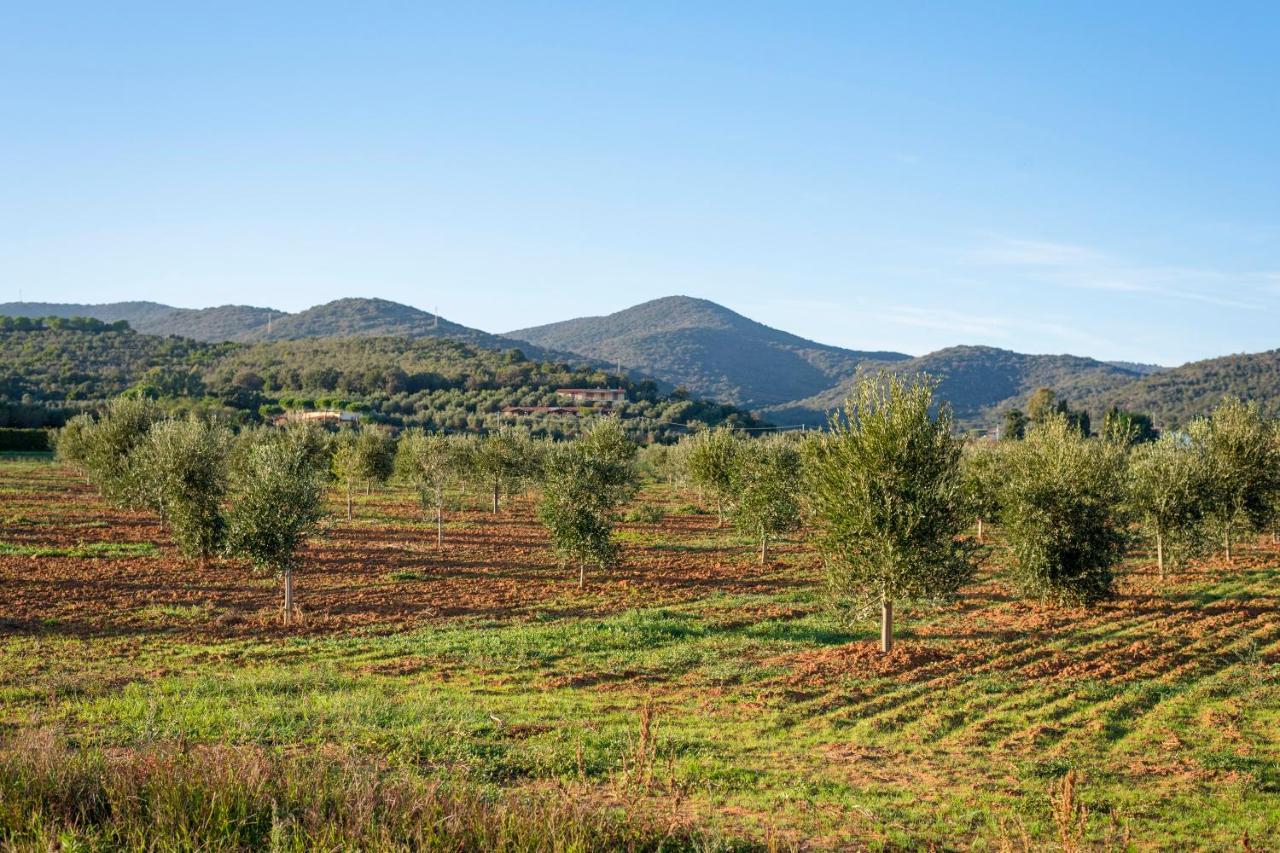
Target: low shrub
<point>646,514</point>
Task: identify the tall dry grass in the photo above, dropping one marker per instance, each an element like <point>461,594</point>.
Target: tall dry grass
<point>171,797</point>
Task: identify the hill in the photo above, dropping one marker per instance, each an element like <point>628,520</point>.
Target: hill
<point>352,318</point>
<point>1174,397</point>
<point>59,366</point>
<point>980,383</point>
<point>707,348</point>
<point>221,323</point>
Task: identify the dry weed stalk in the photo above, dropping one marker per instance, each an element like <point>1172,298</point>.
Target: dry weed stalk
<point>1069,814</point>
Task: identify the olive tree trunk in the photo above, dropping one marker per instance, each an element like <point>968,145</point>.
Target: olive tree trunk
<point>886,625</point>
<point>288,596</point>
<point>1160,553</point>
<point>979,530</point>
<point>439,519</point>
<point>764,547</point>
<point>348,500</point>
<point>496,488</point>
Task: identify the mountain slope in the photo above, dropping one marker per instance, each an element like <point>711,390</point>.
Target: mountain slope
<point>707,348</point>
<point>1174,397</point>
<point>341,318</point>
<point>363,318</point>
<point>221,323</point>
<point>980,383</point>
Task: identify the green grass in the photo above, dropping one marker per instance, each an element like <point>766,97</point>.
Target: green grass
<point>561,699</point>
<point>408,576</point>
<point>83,549</point>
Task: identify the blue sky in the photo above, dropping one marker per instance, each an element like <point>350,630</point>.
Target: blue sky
<point>1087,177</point>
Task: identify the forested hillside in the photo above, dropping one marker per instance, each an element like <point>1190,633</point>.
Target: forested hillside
<point>980,383</point>
<point>1174,397</point>
<point>709,349</point>
<point>431,382</point>
<point>73,360</point>
<point>342,318</point>
<point>350,318</point>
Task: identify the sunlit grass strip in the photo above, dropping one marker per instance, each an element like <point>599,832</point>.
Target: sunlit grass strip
<point>83,549</point>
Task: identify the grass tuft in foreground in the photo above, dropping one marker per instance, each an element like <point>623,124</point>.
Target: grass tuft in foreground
<point>238,798</point>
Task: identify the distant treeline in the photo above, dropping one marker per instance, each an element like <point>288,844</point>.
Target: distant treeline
<point>76,324</point>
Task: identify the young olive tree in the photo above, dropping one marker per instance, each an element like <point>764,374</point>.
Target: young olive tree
<point>276,502</point>
<point>766,486</point>
<point>362,457</point>
<point>886,501</point>
<point>429,462</point>
<point>71,443</point>
<point>1062,512</point>
<point>501,461</point>
<point>1272,513</point>
<point>712,459</point>
<point>980,481</point>
<point>1168,489</point>
<point>1241,461</point>
<point>183,463</point>
<point>582,483</point>
<point>109,444</point>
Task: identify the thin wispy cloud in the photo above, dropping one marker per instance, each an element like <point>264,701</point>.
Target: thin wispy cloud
<point>1083,267</point>
<point>990,327</point>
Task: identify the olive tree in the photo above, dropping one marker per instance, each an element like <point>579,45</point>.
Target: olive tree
<point>276,502</point>
<point>980,482</point>
<point>1272,513</point>
<point>501,461</point>
<point>429,462</point>
<point>766,488</point>
<point>886,500</point>
<point>1168,488</point>
<point>582,483</point>
<point>712,458</point>
<point>1062,512</point>
<point>71,443</point>
<point>1241,461</point>
<point>183,463</point>
<point>109,443</point>
<point>365,457</point>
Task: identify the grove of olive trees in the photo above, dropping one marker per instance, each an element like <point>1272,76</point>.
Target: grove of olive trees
<point>885,494</point>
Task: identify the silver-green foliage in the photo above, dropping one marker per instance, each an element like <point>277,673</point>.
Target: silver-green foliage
<point>1168,491</point>
<point>275,503</point>
<point>181,466</point>
<point>501,462</point>
<point>886,501</point>
<point>711,459</point>
<point>766,489</point>
<point>108,444</point>
<point>582,483</point>
<point>1241,460</point>
<point>71,443</point>
<point>430,463</point>
<point>981,480</point>
<point>365,456</point>
<point>1063,512</point>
